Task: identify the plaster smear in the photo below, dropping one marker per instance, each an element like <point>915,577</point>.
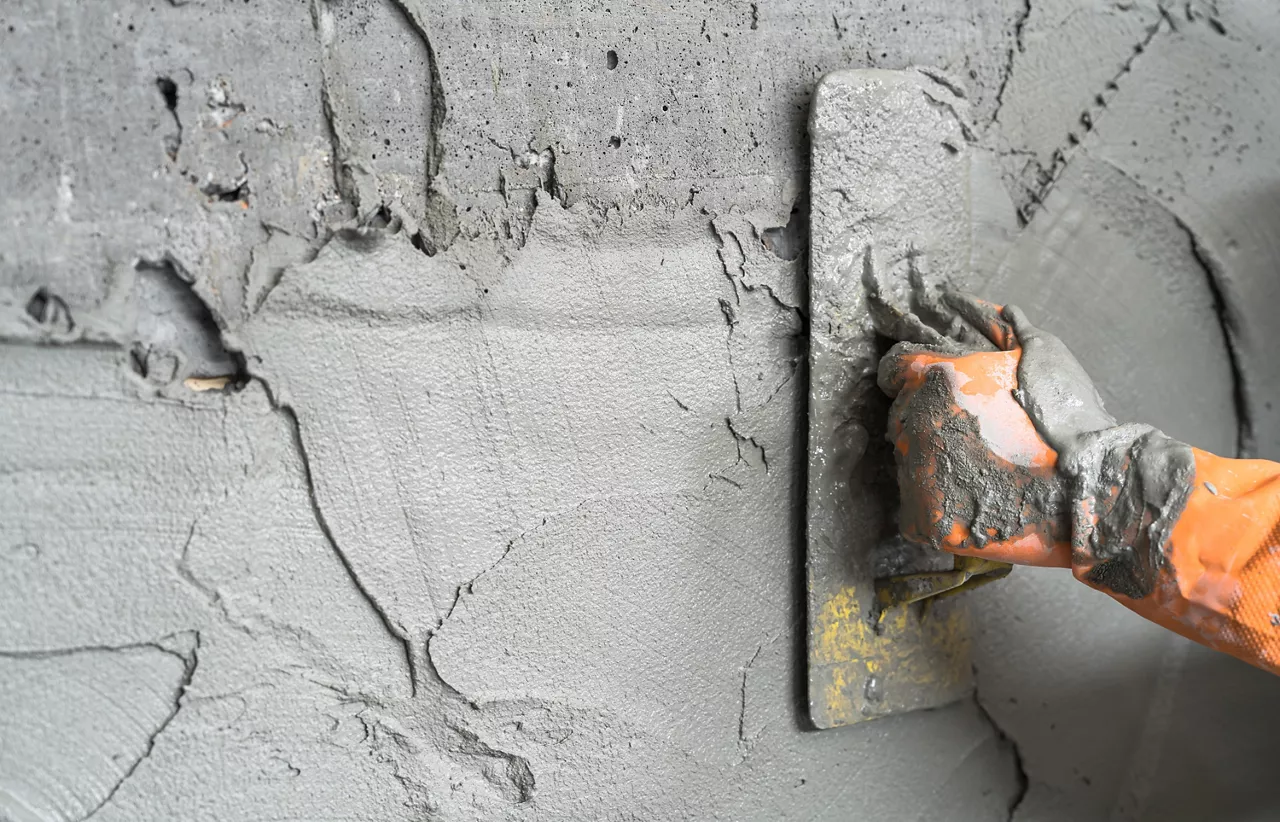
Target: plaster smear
<point>501,517</point>
<point>1107,256</point>
<point>1193,140</point>
<point>482,416</point>
<point>80,722</point>
<point>638,501</point>
<point>152,628</point>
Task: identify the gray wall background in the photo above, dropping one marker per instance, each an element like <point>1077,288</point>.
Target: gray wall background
<point>506,521</point>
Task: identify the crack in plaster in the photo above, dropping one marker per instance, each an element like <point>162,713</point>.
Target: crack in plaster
<point>1023,781</point>
<point>739,286</point>
<point>71,650</point>
<point>397,631</point>
<point>742,439</point>
<point>188,672</point>
<point>743,741</point>
<point>731,317</point>
<point>208,591</point>
<point>515,783</point>
<point>942,104</point>
<point>1019,46</point>
<point>467,588</point>
<point>189,662</point>
<point>738,281</point>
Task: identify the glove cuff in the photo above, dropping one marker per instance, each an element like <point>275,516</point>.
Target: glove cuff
<point>1128,486</point>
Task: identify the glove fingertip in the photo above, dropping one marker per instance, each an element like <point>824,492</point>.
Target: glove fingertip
<point>891,375</point>
<point>984,318</point>
<point>894,371</point>
<point>1017,318</point>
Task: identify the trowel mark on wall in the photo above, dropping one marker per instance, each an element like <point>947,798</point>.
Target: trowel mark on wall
<point>439,106</point>
<point>1145,762</point>
<point>387,155</point>
<point>440,219</point>
<point>760,74</point>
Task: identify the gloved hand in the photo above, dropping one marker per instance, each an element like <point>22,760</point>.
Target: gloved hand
<point>1004,451</point>
<point>975,475</point>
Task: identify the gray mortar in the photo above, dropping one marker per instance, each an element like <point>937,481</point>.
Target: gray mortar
<point>535,551</point>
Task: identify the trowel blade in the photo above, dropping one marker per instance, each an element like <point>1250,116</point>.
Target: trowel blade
<point>889,188</point>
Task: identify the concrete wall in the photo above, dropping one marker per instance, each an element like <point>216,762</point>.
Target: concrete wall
<point>505,521</point>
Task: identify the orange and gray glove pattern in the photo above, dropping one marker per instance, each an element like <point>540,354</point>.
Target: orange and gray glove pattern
<point>1005,451</point>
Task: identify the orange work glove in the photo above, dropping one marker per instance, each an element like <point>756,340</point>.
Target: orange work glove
<point>1004,451</point>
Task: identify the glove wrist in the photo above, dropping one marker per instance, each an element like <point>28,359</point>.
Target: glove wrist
<point>1128,486</point>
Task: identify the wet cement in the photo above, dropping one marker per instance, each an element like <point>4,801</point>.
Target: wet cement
<point>506,519</point>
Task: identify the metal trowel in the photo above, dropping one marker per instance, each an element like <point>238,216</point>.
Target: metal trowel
<point>889,191</point>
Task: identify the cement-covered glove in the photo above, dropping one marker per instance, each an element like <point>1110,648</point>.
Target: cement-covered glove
<point>1004,451</point>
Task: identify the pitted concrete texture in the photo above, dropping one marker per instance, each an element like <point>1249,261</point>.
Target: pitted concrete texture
<point>500,511</point>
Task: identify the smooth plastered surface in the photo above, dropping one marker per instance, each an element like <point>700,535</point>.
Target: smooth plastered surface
<point>506,518</point>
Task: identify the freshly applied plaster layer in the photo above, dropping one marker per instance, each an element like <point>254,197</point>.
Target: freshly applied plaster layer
<point>644,345</point>
<point>79,722</point>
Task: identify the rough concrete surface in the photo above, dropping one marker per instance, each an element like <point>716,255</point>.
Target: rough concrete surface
<point>499,512</point>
